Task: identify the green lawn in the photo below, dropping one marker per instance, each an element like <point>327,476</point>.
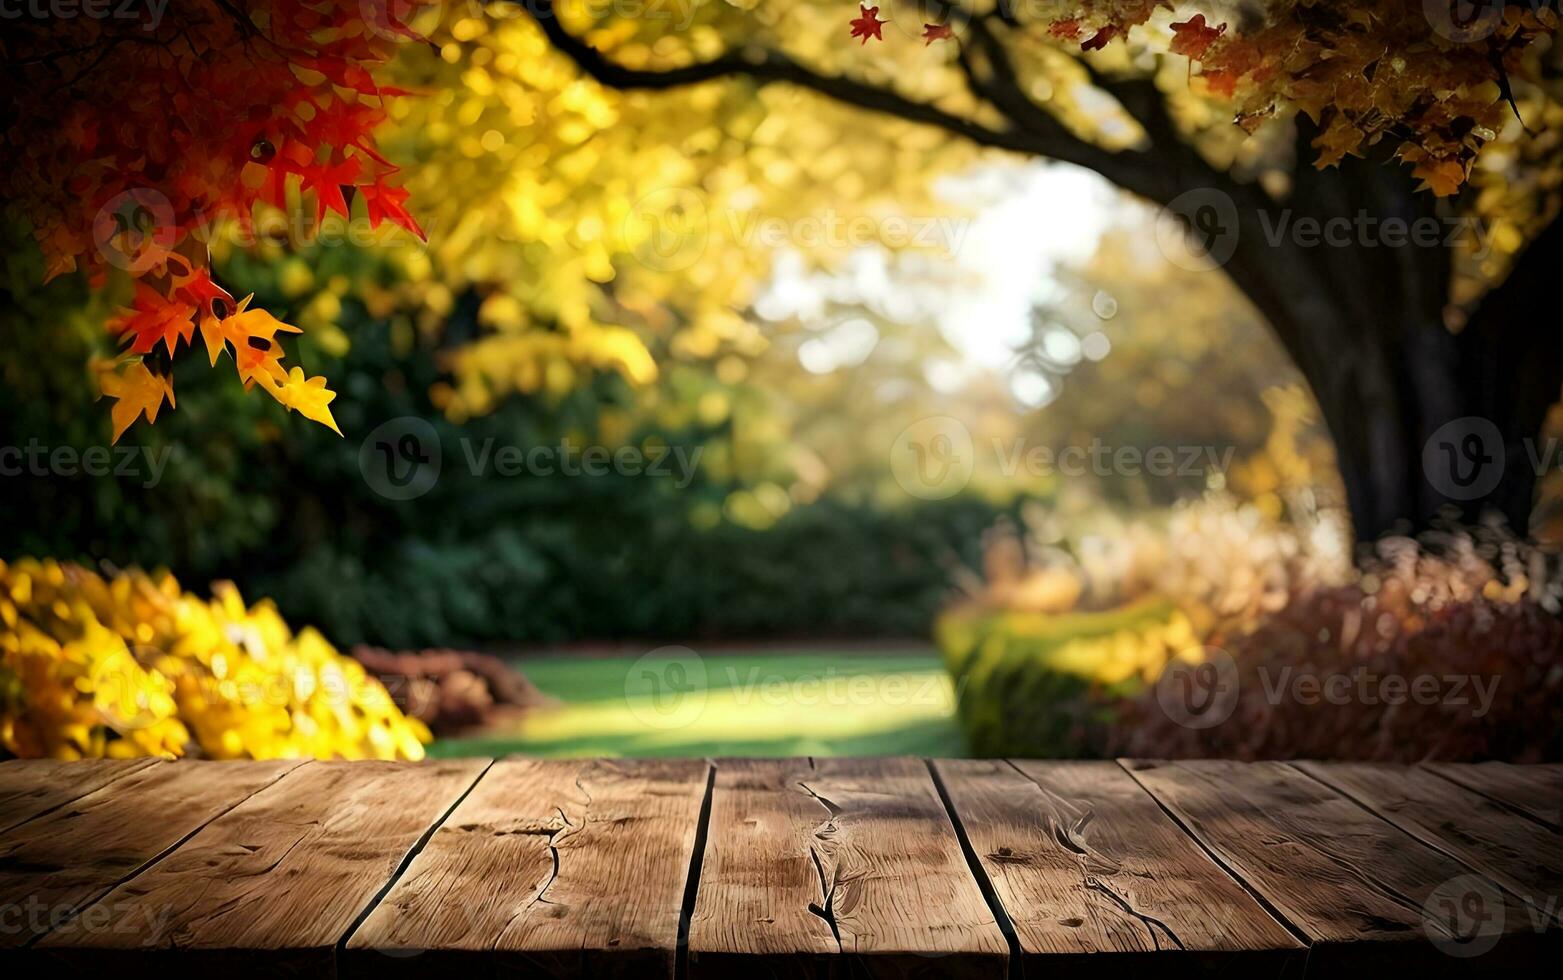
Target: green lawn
<point>755,704</point>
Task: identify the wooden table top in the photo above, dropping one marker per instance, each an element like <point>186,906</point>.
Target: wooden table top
<point>780,867</point>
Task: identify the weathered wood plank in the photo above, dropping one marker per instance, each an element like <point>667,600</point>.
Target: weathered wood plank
<point>1093,874</point>
<point>560,869</point>
<point>30,787</point>
<point>891,885</point>
<point>59,863</point>
<point>274,883</point>
<point>1369,896</point>
<point>760,905</point>
<point>1514,851</point>
<point>1535,790</point>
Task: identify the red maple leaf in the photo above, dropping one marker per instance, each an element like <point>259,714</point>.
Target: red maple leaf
<point>1193,37</point>
<point>867,24</point>
<point>1098,41</point>
<point>153,317</point>
<point>387,202</point>
<point>936,32</point>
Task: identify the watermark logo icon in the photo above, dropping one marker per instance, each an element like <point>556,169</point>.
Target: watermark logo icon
<point>400,20</point>
<point>668,229</point>
<point>125,691</point>
<point>1199,691</point>
<point>135,229</point>
<point>400,459</point>
<point>666,688</point>
<point>1464,916</point>
<point>1463,21</point>
<point>915,18</point>
<point>1464,459</point>
<point>933,458</point>
<point>1198,229</point>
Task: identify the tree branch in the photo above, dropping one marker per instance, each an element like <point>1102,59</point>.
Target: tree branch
<point>765,66</point>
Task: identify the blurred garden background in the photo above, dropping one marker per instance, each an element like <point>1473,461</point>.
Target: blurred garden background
<point>733,419</point>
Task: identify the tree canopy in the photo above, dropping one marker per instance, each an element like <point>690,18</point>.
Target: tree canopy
<point>598,180</point>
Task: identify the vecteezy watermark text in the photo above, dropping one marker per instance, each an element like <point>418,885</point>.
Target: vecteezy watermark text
<point>935,457</point>
<point>402,458</point>
<point>1201,690</point>
<point>141,463</point>
<point>669,688</point>
<point>149,12</point>
<point>33,916</point>
<point>486,457</point>
<point>1201,228</point>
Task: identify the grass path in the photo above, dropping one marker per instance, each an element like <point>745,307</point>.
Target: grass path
<point>779,703</point>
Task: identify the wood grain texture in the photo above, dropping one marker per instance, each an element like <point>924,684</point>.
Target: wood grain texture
<point>761,904</point>
<point>30,787</point>
<point>805,868</point>
<point>274,883</point>
<point>1368,895</point>
<point>61,862</point>
<point>1093,874</point>
<point>891,885</point>
<point>568,868</point>
<point>1518,853</point>
<point>1536,791</point>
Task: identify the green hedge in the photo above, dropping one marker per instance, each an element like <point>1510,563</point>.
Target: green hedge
<point>246,492</point>
<point>1039,685</point>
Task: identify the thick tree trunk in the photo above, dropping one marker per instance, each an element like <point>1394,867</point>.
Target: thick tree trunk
<point>1426,422</point>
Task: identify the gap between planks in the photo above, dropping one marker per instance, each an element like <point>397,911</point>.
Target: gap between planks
<point>693,873</point>
<point>1479,843</point>
<point>697,856</point>
<point>984,883</point>
<point>1264,902</point>
<point>106,888</point>
<point>407,859</point>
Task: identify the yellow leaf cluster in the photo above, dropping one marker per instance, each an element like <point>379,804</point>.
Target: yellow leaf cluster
<point>618,231</point>
<point>133,666</point>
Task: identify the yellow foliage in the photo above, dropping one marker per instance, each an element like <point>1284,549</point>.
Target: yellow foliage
<point>601,226</point>
<point>133,666</point>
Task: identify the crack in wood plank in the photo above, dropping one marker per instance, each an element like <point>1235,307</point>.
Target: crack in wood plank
<point>547,868</point>
<point>1070,835</point>
<point>33,788</point>
<point>1092,872</point>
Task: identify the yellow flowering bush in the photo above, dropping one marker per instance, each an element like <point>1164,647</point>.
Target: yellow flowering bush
<point>132,666</point>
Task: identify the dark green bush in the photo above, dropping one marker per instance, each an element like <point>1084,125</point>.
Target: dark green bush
<point>278,504</point>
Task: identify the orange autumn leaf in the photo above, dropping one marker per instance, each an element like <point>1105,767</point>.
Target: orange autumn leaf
<point>153,317</point>
<point>307,396</point>
<point>256,350</point>
<point>1222,83</point>
<point>1442,177</point>
<point>124,157</point>
<point>137,392</point>
<point>1194,37</point>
